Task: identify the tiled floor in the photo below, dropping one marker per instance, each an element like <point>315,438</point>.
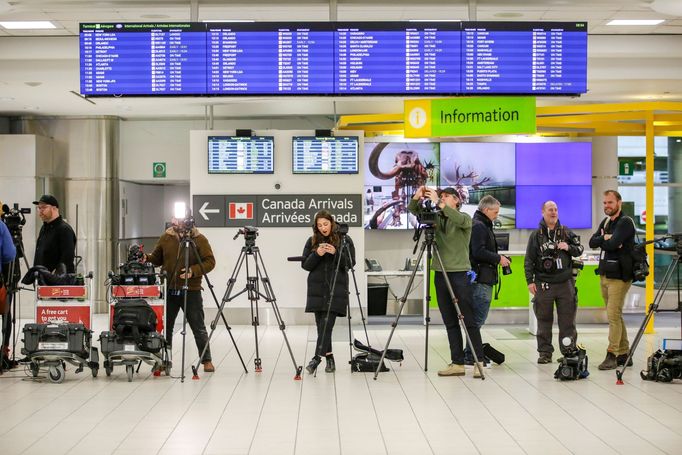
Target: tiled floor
<point>519,408</point>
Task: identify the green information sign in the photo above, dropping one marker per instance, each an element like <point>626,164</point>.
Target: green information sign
<point>470,116</point>
<point>159,170</point>
<point>626,167</point>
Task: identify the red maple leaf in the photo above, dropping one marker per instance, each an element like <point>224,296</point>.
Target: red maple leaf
<point>241,210</point>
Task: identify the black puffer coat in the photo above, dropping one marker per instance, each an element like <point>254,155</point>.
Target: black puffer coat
<point>321,274</point>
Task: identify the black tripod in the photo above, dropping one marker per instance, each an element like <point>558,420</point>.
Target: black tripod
<point>188,245</point>
<point>429,245</point>
<point>253,293</point>
<point>669,272</point>
<point>347,258</point>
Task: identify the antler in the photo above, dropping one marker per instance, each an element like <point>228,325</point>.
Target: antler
<point>472,175</point>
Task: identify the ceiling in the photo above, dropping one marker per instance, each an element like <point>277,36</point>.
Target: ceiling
<point>39,69</point>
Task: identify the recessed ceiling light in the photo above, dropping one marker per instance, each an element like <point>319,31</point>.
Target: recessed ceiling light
<point>228,20</point>
<point>33,84</point>
<point>635,22</point>
<point>27,25</point>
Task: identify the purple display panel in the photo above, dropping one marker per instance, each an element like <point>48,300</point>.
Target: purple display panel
<point>554,163</point>
<point>574,203</point>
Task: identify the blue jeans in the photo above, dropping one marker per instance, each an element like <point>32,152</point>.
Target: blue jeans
<point>483,295</point>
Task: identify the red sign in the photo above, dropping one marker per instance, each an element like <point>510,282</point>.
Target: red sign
<point>77,314</point>
<point>158,309</point>
<point>123,291</point>
<point>62,292</point>
<point>241,210</point>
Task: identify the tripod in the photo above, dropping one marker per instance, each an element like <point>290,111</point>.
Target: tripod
<point>672,269</point>
<point>429,245</point>
<point>188,245</point>
<point>253,293</point>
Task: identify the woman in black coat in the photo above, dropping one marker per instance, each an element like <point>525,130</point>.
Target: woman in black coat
<point>321,253</point>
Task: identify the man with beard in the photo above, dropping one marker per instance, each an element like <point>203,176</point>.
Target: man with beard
<point>548,266</point>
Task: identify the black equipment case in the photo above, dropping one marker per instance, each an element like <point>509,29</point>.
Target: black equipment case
<point>66,337</point>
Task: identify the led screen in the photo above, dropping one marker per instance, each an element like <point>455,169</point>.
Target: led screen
<point>325,155</point>
<point>240,155</point>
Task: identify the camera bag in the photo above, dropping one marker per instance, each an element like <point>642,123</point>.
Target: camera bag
<point>133,318</point>
<point>65,337</point>
<point>493,354</point>
<point>394,355</point>
<point>152,342</point>
<point>366,362</point>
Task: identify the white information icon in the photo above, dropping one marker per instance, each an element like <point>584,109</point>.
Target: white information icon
<point>417,117</point>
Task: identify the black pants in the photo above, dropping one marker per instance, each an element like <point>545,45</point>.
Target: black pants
<point>324,338</point>
<point>195,318</point>
<point>464,294</point>
<point>566,308</point>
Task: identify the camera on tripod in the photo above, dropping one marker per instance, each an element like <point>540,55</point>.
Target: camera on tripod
<point>341,228</point>
<point>184,221</point>
<point>429,212</point>
<point>14,219</point>
<point>574,364</point>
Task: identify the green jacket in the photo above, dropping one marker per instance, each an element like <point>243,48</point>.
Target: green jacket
<point>453,232</point>
<point>166,254</point>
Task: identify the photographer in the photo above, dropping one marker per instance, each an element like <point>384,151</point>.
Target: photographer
<point>167,255</point>
<point>616,238</point>
<point>452,236</point>
<point>484,261</point>
<point>320,253</point>
<point>548,266</point>
<point>56,242</point>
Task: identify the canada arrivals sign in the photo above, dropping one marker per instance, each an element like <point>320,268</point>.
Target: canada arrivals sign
<point>277,210</point>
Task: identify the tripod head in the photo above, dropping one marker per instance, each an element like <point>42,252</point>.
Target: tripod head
<point>676,242</point>
<point>250,233</point>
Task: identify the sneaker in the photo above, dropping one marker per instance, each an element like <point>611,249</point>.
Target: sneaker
<point>545,357</point>
<point>609,363</point>
<point>452,370</point>
<point>208,366</point>
<point>620,360</point>
<point>331,365</point>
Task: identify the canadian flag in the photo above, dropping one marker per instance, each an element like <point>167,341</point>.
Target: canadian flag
<point>241,210</point>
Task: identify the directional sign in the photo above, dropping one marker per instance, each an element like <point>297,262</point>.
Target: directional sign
<point>209,211</point>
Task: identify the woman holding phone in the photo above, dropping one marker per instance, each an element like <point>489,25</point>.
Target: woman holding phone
<point>322,256</point>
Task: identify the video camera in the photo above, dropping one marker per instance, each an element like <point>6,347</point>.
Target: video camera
<point>429,213</point>
<point>574,364</point>
<point>135,271</point>
<point>663,366</point>
<point>15,220</point>
<point>341,228</point>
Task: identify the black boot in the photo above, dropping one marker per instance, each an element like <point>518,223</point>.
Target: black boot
<point>312,365</point>
<point>331,365</point>
<point>620,360</point>
<point>609,362</point>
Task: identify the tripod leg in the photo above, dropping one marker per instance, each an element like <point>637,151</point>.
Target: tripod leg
<point>652,309</point>
<point>477,363</point>
<point>403,299</point>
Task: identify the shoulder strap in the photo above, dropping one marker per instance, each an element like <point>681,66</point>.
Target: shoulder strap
<point>634,226</point>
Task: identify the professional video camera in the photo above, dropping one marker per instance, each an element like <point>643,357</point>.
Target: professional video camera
<point>341,228</point>
<point>429,213</point>
<point>663,366</point>
<point>15,220</point>
<point>135,271</point>
<point>574,364</point>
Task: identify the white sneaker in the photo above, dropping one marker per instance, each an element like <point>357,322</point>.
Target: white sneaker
<point>452,370</point>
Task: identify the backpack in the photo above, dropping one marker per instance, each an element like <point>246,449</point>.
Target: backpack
<point>133,318</point>
<point>640,264</point>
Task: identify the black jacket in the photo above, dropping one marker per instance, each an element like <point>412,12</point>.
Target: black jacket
<point>483,249</point>
<point>617,249</point>
<point>320,278</point>
<point>533,263</point>
<point>56,244</point>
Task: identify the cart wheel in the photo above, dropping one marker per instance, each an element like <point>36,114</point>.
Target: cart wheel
<point>56,374</point>
<point>107,368</point>
<point>129,372</point>
<point>35,369</point>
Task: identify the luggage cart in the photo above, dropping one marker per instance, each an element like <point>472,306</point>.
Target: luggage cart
<point>127,352</point>
<point>62,332</point>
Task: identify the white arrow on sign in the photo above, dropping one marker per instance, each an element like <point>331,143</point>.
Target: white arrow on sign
<point>203,210</point>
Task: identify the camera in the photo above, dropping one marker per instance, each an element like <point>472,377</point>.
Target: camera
<point>135,271</point>
<point>429,213</point>
<point>15,220</point>
<point>574,364</point>
<point>506,270</point>
<point>549,253</point>
<point>341,228</point>
<point>663,366</point>
<point>576,266</point>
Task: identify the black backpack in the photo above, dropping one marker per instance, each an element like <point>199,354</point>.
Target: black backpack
<point>133,318</point>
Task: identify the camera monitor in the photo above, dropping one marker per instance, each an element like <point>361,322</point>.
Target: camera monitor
<point>240,155</point>
<point>325,155</point>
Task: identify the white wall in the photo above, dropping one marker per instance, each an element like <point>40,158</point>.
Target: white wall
<point>288,278</point>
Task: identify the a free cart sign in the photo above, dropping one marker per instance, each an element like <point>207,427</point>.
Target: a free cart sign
<point>289,210</point>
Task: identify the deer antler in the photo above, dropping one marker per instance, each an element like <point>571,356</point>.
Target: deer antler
<point>471,175</point>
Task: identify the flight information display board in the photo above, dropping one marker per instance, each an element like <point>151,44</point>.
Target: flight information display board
<point>325,155</point>
<point>334,58</point>
<point>240,155</point>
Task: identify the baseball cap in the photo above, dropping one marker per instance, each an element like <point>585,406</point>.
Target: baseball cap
<point>452,191</point>
<point>47,199</point>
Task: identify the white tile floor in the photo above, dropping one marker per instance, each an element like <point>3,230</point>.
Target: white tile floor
<point>519,408</point>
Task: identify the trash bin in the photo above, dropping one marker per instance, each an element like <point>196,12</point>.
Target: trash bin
<point>377,296</point>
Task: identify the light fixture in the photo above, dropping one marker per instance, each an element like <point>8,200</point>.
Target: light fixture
<point>27,25</point>
<point>179,210</point>
<point>635,22</point>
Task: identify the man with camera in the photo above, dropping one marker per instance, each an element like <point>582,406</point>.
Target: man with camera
<point>484,261</point>
<point>616,238</point>
<point>56,242</point>
<point>549,274</point>
<point>167,255</point>
<point>452,235</point>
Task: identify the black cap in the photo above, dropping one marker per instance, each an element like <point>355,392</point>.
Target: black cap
<point>47,199</point>
<point>451,190</point>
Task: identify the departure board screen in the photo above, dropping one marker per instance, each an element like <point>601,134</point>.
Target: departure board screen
<point>334,58</point>
<point>325,155</point>
<point>240,155</point>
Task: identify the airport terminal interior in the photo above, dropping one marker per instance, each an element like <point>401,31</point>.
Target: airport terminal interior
<point>272,149</point>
